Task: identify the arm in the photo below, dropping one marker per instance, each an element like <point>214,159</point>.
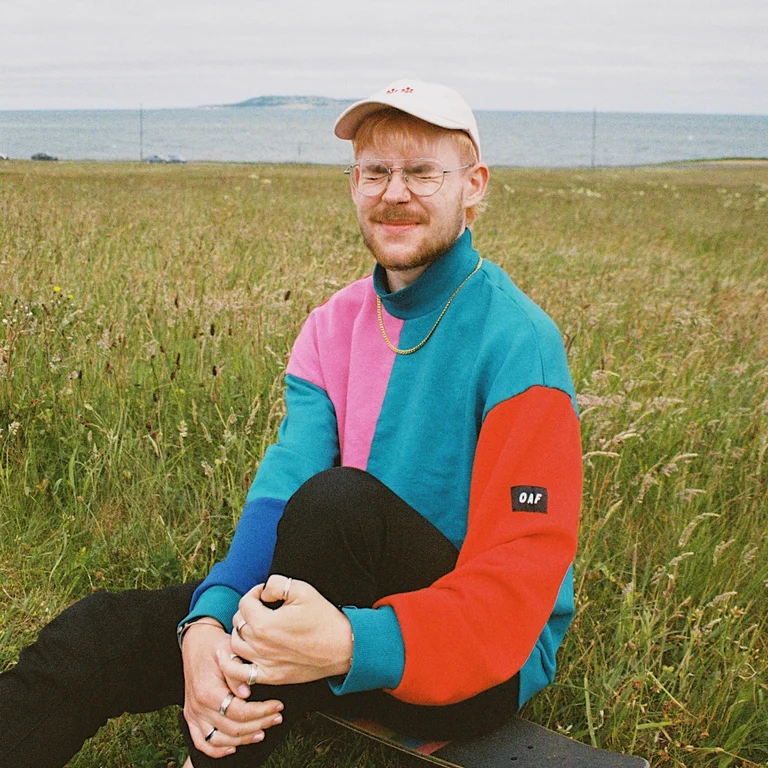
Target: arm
<point>307,444</point>
<point>482,620</point>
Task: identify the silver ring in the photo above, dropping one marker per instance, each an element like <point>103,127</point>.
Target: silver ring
<point>225,702</point>
<point>240,625</point>
<point>287,588</point>
<point>210,734</point>
<point>253,673</point>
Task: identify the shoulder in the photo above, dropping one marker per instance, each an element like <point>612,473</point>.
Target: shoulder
<point>511,307</point>
<point>348,299</point>
<point>341,308</point>
<point>330,326</point>
<point>521,342</point>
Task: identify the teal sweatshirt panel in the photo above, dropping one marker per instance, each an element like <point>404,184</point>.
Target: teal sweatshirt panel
<point>216,601</point>
<point>307,442</point>
<point>472,362</point>
<point>381,664</point>
<point>539,670</point>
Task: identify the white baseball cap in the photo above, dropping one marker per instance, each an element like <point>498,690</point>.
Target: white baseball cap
<point>434,103</point>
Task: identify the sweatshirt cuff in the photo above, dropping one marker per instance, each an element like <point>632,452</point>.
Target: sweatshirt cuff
<point>219,602</point>
<point>378,655</point>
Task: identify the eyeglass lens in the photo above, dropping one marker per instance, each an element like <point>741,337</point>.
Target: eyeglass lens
<point>422,177</point>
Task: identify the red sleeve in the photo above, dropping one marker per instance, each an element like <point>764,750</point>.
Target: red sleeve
<point>475,627</point>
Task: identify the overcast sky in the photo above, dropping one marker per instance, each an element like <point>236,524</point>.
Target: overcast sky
<point>613,55</point>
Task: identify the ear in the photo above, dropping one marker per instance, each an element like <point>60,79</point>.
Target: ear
<point>475,184</point>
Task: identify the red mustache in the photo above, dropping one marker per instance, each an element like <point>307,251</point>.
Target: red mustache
<point>397,217</point>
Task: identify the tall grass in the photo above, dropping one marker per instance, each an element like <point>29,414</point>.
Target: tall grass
<point>147,314</point>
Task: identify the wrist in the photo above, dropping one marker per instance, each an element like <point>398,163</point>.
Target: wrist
<point>203,621</point>
<point>346,649</point>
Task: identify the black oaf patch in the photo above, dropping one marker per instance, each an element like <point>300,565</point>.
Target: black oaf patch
<point>529,498</point>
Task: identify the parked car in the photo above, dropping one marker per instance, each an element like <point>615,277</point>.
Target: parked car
<point>175,159</point>
<point>154,159</point>
<point>3,157</point>
<point>43,156</point>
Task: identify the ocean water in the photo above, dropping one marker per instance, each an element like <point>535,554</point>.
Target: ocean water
<point>274,134</point>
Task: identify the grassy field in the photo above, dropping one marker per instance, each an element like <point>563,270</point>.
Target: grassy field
<point>147,313</point>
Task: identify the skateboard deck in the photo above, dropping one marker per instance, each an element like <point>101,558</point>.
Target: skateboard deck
<point>517,744</point>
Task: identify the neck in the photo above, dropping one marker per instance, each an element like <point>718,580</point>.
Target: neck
<point>398,279</point>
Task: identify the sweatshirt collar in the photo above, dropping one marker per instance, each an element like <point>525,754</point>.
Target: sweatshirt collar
<point>434,286</point>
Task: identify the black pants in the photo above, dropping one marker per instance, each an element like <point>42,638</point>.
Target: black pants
<point>343,531</point>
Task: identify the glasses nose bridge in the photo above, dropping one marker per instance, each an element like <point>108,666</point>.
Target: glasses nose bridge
<point>392,171</point>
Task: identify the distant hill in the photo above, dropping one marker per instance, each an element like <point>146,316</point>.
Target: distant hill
<point>292,102</point>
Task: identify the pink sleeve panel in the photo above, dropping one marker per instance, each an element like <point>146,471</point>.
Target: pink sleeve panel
<point>341,336</point>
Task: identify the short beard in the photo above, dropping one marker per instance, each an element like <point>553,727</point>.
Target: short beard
<point>424,257</point>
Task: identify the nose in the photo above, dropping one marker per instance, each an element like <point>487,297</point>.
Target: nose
<point>396,190</point>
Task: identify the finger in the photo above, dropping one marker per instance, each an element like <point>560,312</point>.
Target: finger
<point>253,612</point>
<point>236,669</point>
<point>254,714</point>
<point>269,715</point>
<point>254,593</point>
<point>278,589</point>
<point>242,647</point>
<point>231,667</point>
<point>240,723</point>
<point>198,739</point>
<point>241,675</point>
<point>217,742</point>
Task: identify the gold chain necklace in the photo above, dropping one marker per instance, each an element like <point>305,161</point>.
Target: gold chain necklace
<point>437,322</point>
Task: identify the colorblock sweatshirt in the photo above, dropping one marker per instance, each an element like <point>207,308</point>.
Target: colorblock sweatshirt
<point>478,431</point>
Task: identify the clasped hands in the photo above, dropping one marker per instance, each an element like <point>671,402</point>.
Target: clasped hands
<point>306,638</point>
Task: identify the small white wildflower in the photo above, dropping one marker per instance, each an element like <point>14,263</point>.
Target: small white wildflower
<point>13,428</point>
<point>207,468</point>
<point>183,432</point>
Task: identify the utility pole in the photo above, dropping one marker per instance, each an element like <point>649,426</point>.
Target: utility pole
<point>594,134</point>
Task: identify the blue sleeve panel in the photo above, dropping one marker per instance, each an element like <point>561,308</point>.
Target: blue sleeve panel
<point>378,657</point>
<point>250,553</point>
<point>307,443</point>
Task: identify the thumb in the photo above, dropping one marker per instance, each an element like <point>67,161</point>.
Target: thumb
<point>278,589</point>
<point>255,593</point>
